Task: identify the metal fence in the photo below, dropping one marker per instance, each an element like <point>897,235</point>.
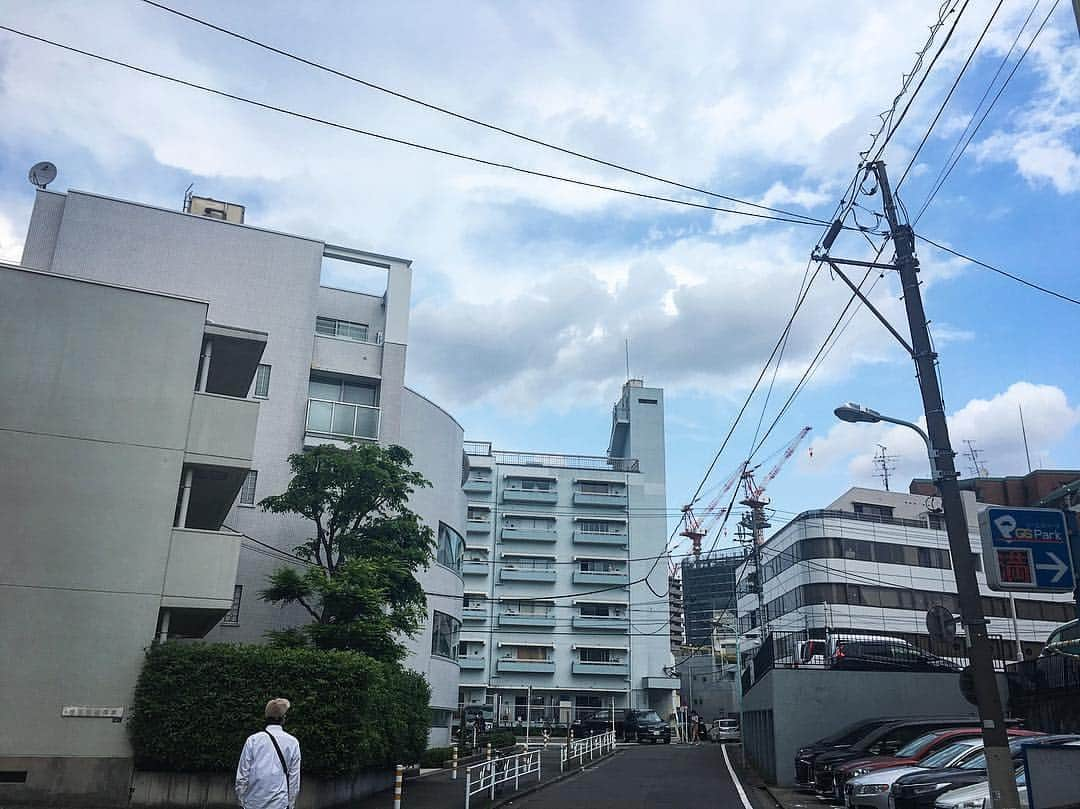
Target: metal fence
<point>590,747</point>
<point>594,462</point>
<point>861,651</point>
<point>487,775</point>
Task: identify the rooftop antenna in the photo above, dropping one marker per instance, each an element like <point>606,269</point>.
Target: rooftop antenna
<point>977,465</point>
<point>41,174</point>
<point>187,198</point>
<point>1023,432</point>
<point>627,343</point>
<point>885,465</point>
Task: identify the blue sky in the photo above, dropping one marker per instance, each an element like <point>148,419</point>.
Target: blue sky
<point>526,289</point>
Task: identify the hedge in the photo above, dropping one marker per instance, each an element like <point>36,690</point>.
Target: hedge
<point>436,756</point>
<point>195,704</point>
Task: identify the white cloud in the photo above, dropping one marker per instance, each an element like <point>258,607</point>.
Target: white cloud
<point>10,242</point>
<point>992,424</point>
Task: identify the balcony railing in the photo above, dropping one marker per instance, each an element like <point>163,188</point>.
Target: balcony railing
<point>614,623</point>
<point>591,667</point>
<point>601,577</point>
<point>477,447</point>
<point>547,496</point>
<point>477,486</point>
<point>533,666</point>
<point>539,574</point>
<point>475,567</point>
<point>604,500</point>
<point>530,534</point>
<point>526,619</point>
<point>599,538</point>
<point>342,419</point>
<point>594,462</point>
<point>471,662</point>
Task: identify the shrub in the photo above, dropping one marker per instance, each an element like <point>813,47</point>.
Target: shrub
<point>498,739</point>
<point>196,703</point>
<point>436,756</point>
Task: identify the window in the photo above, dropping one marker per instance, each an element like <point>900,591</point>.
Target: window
<point>532,485</point>
<point>473,601</point>
<point>444,634</point>
<point>531,653</point>
<point>232,617</point>
<point>595,488</point>
<point>873,510</point>
<point>596,656</point>
<point>342,407</point>
<point>477,515</point>
<point>441,718</point>
<point>599,527</point>
<point>330,327</point>
<point>262,382</point>
<point>597,566</point>
<point>597,610</point>
<point>450,548</point>
<point>247,490</point>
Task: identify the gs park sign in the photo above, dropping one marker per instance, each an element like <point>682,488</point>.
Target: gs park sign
<point>1026,549</point>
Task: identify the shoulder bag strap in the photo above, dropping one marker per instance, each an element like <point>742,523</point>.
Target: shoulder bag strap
<point>281,758</point>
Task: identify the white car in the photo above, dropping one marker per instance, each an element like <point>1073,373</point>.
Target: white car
<point>977,796</point>
<point>871,791</point>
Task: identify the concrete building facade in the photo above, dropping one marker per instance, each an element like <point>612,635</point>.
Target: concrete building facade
<point>874,562</point>
<point>561,552</point>
<point>333,369</point>
<point>123,443</point>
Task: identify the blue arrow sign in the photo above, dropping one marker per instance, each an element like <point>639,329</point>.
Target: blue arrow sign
<point>1026,549</point>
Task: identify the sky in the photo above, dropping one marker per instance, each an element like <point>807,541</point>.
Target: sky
<point>526,290</point>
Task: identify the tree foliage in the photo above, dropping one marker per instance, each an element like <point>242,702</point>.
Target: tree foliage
<point>360,586</point>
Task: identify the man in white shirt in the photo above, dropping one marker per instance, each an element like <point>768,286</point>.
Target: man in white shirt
<point>268,775</point>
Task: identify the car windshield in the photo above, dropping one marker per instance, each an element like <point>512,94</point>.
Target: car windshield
<point>944,756</point>
<point>915,745</point>
<point>852,733</point>
<point>649,716</point>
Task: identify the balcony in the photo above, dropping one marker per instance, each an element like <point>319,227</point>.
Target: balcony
<point>477,486</point>
<point>474,613</point>
<point>530,496</point>
<point>528,620</point>
<point>471,568</point>
<point>341,421</point>
<point>600,538</point>
<point>598,577</point>
<point>509,664</point>
<point>342,355</point>
<point>604,623</point>
<point>540,574</point>
<point>530,534</point>
<point>478,526</point>
<point>602,500</point>
<point>472,663</point>
<point>221,431</point>
<point>201,571</point>
<point>618,669</point>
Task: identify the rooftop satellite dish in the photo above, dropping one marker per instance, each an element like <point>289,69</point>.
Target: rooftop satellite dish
<point>43,173</point>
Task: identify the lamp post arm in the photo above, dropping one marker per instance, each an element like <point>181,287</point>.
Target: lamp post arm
<point>922,434</point>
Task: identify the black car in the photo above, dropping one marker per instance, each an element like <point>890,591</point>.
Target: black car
<point>881,741</point>
<point>645,726</point>
<point>921,790</point>
<point>884,654</point>
<point>597,722</point>
<point>804,759</point>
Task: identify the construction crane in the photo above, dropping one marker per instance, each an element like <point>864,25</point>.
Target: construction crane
<point>755,498</point>
<point>695,528</point>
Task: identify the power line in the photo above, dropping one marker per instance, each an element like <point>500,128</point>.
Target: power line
<point>462,117</point>
<point>403,142</point>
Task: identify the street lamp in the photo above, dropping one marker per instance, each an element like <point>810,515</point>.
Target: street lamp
<point>856,414</point>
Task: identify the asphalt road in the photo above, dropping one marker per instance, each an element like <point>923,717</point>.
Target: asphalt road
<point>646,777</point>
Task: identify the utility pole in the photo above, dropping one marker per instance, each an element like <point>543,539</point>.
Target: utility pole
<point>755,522</point>
<point>1003,794</point>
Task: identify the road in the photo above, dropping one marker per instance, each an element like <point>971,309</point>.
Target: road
<point>646,777</point>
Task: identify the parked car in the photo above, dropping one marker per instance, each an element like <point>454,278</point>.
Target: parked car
<point>884,741</point>
<point>910,754</point>
<point>871,791</point>
<point>874,652</point>
<point>1063,640</point>
<point>645,726</point>
<point>724,730</point>
<point>920,790</point>
<point>842,739</point>
<point>810,653</point>
<point>977,796</point>
<point>599,722</point>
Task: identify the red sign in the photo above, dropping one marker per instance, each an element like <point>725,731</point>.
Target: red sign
<point>1015,567</point>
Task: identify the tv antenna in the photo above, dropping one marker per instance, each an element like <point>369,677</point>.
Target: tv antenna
<point>884,462</point>
<point>41,174</point>
<point>975,461</point>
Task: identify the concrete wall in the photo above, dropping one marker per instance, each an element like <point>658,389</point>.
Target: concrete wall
<point>800,706</point>
<point>97,388</point>
<point>707,687</point>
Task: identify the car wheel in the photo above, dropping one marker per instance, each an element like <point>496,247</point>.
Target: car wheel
<point>667,740</point>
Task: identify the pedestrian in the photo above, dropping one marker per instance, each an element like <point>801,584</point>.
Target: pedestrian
<point>695,727</point>
<point>268,775</point>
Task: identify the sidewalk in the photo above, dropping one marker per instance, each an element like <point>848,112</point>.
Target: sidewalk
<point>439,791</point>
<point>765,796</point>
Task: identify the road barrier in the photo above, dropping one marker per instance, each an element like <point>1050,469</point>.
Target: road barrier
<point>487,775</point>
<point>591,746</point>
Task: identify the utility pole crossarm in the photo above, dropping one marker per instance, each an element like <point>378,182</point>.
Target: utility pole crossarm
<point>866,301</point>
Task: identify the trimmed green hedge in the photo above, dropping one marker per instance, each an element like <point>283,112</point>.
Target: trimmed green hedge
<point>195,704</point>
<point>436,756</point>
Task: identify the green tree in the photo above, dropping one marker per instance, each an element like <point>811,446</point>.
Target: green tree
<point>360,586</point>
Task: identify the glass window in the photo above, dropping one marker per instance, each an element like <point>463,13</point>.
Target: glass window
<point>330,327</point>
<point>595,488</point>
<point>328,390</point>
<point>873,510</point>
<point>595,656</point>
<point>451,548</point>
<point>597,610</point>
<point>599,527</point>
<point>247,490</point>
<point>444,634</point>
<point>262,382</point>
<point>232,617</point>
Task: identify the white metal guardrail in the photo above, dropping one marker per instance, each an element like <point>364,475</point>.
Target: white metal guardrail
<point>487,775</point>
<point>591,746</point>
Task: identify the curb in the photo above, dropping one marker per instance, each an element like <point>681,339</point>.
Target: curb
<point>498,804</point>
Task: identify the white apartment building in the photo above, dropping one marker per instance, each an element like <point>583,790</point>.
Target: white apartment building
<point>874,562</point>
<point>560,553</point>
<point>332,368</point>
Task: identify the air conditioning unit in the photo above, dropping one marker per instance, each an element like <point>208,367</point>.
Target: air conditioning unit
<point>215,209</point>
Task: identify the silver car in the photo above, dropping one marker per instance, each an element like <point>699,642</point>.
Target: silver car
<point>977,796</point>
<point>871,791</point>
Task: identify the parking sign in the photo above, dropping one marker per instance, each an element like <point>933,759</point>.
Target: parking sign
<point>1026,549</point>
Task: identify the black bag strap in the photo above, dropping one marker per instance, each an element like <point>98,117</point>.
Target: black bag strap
<point>281,758</point>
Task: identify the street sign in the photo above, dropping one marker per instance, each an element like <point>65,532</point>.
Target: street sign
<point>941,624</point>
<point>1026,549</point>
